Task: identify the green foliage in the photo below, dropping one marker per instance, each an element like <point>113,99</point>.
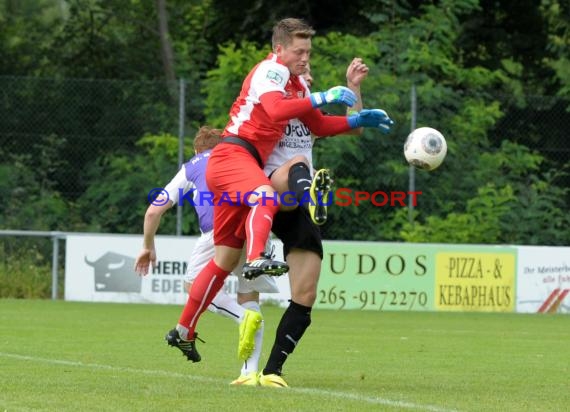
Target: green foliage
<point>540,215</point>
<point>82,45</point>
<point>458,100</point>
<point>192,39</point>
<point>223,83</point>
<point>522,205</point>
<point>119,199</point>
<point>481,222</point>
<point>419,51</point>
<point>556,14</point>
<point>25,269</point>
<point>72,159</point>
<point>27,181</point>
<point>28,27</point>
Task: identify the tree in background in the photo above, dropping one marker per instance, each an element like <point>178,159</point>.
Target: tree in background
<point>456,99</point>
<point>473,82</point>
<point>120,197</point>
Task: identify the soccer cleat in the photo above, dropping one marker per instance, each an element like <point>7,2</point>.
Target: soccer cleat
<point>272,381</point>
<point>264,265</point>
<point>320,196</point>
<point>251,379</point>
<point>247,328</point>
<point>188,347</point>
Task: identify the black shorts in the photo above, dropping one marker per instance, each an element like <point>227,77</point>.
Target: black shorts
<point>297,230</point>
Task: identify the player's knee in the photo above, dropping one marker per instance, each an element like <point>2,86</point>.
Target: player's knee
<point>244,297</point>
<point>309,298</point>
<point>305,295</point>
<point>299,159</point>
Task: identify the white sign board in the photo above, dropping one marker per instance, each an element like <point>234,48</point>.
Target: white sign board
<point>100,268</point>
<point>543,279</point>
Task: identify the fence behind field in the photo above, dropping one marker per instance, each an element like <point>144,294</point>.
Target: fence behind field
<point>378,276</point>
<point>60,127</point>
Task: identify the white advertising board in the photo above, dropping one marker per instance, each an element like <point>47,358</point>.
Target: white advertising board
<point>543,279</point>
<point>100,268</point>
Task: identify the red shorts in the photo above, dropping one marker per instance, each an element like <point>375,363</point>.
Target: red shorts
<point>231,173</point>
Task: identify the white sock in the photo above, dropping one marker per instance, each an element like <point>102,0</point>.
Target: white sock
<point>225,305</point>
<point>252,363</point>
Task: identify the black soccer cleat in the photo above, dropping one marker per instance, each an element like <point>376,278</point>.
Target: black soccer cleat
<point>188,347</point>
<point>264,265</point>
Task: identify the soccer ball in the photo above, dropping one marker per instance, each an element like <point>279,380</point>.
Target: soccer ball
<point>425,148</point>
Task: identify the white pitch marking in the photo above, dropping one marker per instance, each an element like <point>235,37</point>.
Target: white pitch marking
<point>307,391</point>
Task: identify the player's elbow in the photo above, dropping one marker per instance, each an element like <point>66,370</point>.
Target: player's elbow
<point>156,211</point>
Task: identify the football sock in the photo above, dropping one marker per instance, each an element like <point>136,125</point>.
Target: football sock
<point>204,288</point>
<point>226,305</point>
<point>299,180</point>
<point>292,326</point>
<point>252,363</point>
<point>258,226</point>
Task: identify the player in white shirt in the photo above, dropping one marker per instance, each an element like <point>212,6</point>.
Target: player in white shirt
<point>289,167</point>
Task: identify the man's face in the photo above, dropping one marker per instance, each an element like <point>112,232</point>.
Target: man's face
<point>295,55</point>
<point>307,75</point>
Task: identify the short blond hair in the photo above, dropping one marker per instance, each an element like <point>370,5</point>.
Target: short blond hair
<point>287,29</point>
<point>207,138</point>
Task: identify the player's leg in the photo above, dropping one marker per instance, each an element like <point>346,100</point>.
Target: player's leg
<point>210,279</point>
<point>203,252</point>
<point>252,336</point>
<point>252,321</point>
<point>224,305</point>
<point>303,251</point>
<point>206,285</point>
<point>204,288</point>
<point>293,179</point>
<point>250,339</point>
<point>234,176</point>
<point>303,276</point>
<point>265,204</point>
<point>313,193</point>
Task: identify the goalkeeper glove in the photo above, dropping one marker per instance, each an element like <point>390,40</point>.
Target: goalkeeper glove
<point>371,118</point>
<point>338,94</point>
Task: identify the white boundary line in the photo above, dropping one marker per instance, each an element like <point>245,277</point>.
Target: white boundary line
<point>308,391</point>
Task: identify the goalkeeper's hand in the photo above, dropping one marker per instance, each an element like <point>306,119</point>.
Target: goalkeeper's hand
<point>338,94</point>
<point>371,118</point>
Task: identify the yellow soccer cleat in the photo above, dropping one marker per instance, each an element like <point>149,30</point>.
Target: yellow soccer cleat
<point>320,196</point>
<point>251,379</point>
<point>249,325</point>
<point>272,381</point>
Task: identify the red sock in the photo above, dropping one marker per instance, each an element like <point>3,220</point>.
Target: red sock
<point>204,288</point>
<point>258,226</point>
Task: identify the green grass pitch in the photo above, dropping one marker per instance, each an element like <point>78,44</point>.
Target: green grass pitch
<point>68,356</point>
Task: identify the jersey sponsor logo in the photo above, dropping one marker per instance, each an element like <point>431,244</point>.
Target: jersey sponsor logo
<point>274,77</point>
<point>295,144</point>
<point>297,129</point>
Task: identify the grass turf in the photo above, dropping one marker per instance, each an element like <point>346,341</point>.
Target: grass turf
<point>69,356</point>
